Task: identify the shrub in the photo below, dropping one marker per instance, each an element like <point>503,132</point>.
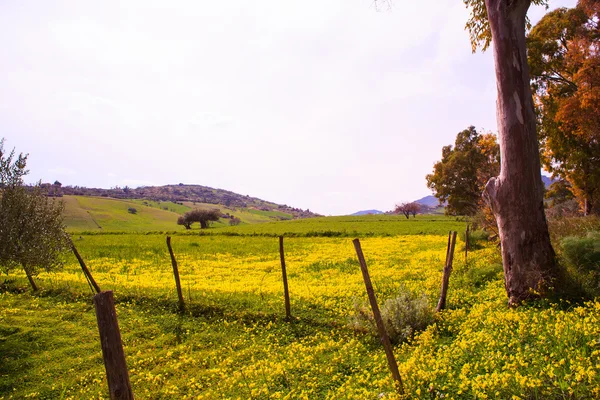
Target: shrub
<point>582,263</point>
<point>234,221</point>
<point>583,252</point>
<point>132,210</point>
<point>403,316</point>
<point>476,238</point>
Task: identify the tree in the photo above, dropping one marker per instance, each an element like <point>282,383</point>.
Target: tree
<point>516,195</point>
<point>461,175</point>
<point>414,209</point>
<point>183,221</point>
<point>32,234</point>
<point>564,55</point>
<point>407,209</point>
<point>203,216</point>
<point>402,208</point>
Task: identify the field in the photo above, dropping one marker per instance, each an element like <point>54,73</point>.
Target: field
<point>234,342</point>
<point>101,214</point>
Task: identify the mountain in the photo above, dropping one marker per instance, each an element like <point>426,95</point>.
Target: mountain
<point>367,212</point>
<point>548,181</point>
<point>429,201</point>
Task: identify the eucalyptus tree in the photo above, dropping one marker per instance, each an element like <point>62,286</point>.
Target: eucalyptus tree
<point>516,195</point>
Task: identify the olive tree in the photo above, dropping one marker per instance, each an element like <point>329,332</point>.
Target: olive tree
<point>203,216</point>
<point>32,234</point>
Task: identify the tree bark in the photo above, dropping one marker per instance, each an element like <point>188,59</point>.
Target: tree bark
<point>516,195</point>
<point>30,278</point>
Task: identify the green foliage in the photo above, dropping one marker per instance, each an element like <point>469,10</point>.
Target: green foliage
<point>478,25</point>
<point>203,216</point>
<point>32,233</point>
<point>477,238</point>
<point>461,175</point>
<point>480,276</point>
<point>402,316</point>
<point>583,252</point>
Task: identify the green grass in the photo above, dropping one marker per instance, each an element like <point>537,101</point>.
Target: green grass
<point>100,214</point>
<point>109,215</point>
<point>349,226</point>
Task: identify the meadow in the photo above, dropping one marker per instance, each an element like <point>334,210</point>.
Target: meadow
<point>233,341</point>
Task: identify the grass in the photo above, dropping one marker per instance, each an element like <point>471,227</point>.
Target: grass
<point>101,214</point>
<point>233,340</point>
<point>351,226</point>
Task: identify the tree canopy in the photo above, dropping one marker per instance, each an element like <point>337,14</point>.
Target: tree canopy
<point>564,57</point>
<point>203,216</point>
<point>478,25</point>
<point>32,234</point>
<point>462,173</point>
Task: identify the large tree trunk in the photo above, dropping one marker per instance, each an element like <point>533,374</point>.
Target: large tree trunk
<point>516,196</point>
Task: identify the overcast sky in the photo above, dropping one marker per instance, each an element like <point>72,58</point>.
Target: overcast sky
<point>327,105</point>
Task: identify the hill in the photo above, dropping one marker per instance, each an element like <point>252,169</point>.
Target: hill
<point>429,201</point>
<point>105,214</point>
<point>367,212</point>
<point>178,194</point>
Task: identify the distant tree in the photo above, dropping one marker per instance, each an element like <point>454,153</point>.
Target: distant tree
<point>460,177</point>
<point>203,216</point>
<point>402,208</point>
<point>183,221</point>
<point>559,192</point>
<point>407,209</point>
<point>57,183</point>
<point>234,221</point>
<point>132,210</point>
<point>564,56</point>
<point>414,209</point>
<point>32,233</point>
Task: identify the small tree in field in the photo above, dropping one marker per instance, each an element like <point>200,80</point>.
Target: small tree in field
<point>199,215</point>
<point>414,209</point>
<point>407,209</point>
<point>32,234</point>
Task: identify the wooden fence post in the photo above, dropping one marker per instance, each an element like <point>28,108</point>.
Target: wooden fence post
<point>85,269</point>
<point>176,273</point>
<point>286,293</point>
<point>385,340</point>
<point>112,347</point>
<point>466,243</point>
<point>447,270</point>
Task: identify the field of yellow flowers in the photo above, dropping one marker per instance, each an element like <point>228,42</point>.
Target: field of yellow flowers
<point>233,341</point>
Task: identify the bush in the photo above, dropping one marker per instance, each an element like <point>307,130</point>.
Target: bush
<point>132,210</point>
<point>475,238</point>
<point>234,221</point>
<point>583,253</point>
<point>403,316</point>
<point>581,269</point>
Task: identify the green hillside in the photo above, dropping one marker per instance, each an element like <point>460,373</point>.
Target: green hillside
<point>102,214</point>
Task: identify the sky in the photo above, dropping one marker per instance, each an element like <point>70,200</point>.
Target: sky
<point>334,105</point>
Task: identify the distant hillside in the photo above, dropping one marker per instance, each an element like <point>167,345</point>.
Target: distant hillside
<point>105,214</point>
<point>182,193</point>
<point>548,181</point>
<point>429,201</point>
<point>367,212</point>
